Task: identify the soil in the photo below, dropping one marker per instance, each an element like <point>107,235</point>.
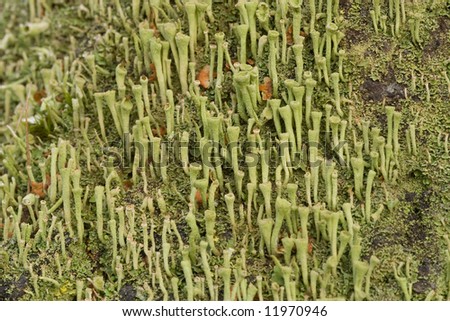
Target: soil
<point>15,289</point>
<point>387,89</point>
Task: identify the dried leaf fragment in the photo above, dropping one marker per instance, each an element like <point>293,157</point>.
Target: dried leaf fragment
<point>266,88</point>
<point>203,76</point>
<point>37,188</point>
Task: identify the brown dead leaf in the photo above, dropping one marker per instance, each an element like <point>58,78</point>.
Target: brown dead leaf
<point>127,184</point>
<point>203,76</point>
<point>47,181</point>
<point>310,245</point>
<point>37,188</point>
<point>159,131</point>
<point>289,36</point>
<point>155,29</point>
<point>199,199</point>
<point>266,88</point>
<point>39,95</point>
<point>152,76</point>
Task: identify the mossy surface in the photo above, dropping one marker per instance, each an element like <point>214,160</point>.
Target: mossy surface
<point>379,69</point>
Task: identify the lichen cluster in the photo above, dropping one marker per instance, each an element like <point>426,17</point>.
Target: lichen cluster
<point>236,150</point>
